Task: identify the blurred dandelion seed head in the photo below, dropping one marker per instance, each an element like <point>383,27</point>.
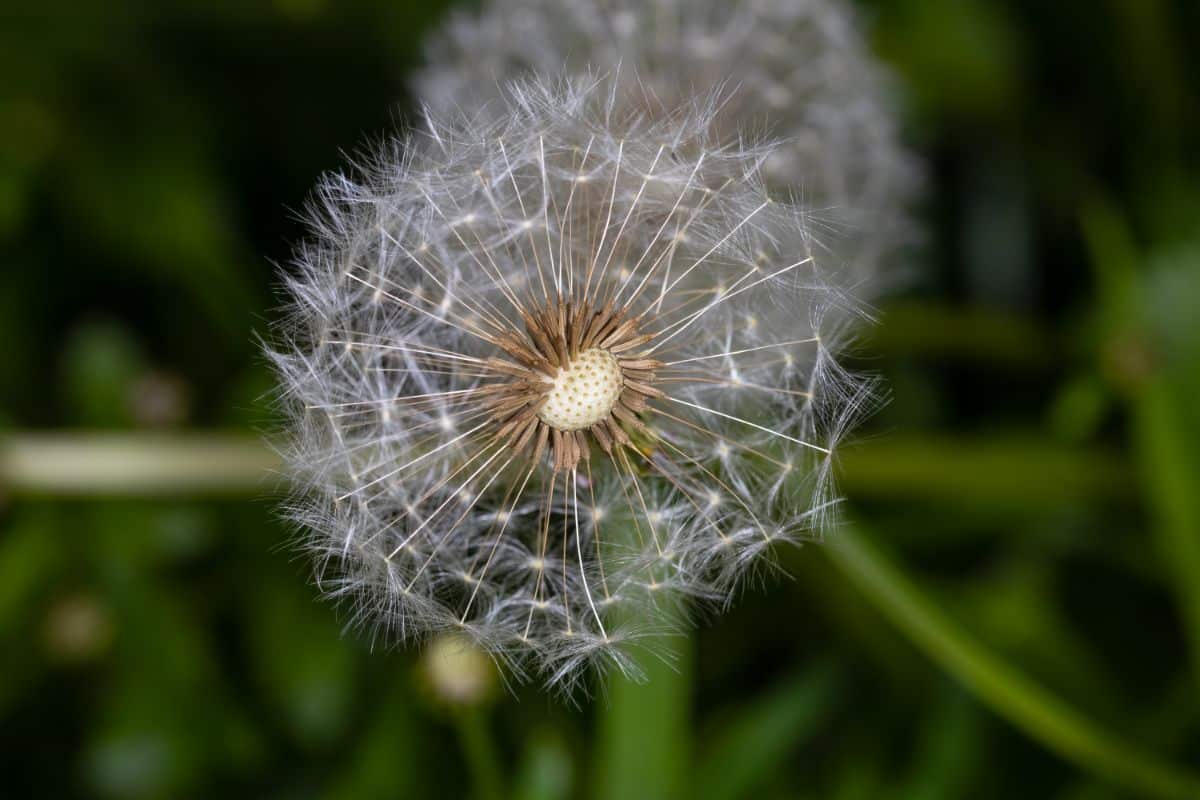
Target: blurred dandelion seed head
<point>458,672</point>
<point>797,70</point>
<point>515,344</point>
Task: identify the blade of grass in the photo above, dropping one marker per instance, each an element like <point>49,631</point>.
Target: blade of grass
<point>546,769</point>
<point>1038,712</point>
<point>1162,440</point>
<point>755,741</point>
<point>479,751</point>
<point>1171,480</point>
<point>1012,470</point>
<point>644,729</point>
<point>949,750</point>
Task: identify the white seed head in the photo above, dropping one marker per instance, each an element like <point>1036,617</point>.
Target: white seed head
<point>798,70</point>
<point>544,478</point>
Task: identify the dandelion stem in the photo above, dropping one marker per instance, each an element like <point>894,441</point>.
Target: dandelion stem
<point>645,727</point>
<point>479,750</point>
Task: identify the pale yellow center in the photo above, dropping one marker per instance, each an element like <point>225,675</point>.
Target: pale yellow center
<point>583,393</point>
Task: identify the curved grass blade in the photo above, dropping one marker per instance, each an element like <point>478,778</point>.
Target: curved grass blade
<point>1030,707</point>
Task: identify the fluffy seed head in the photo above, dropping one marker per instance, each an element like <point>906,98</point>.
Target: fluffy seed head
<point>796,69</point>
<point>553,371</point>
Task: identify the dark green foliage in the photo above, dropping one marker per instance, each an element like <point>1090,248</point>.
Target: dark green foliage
<point>1035,482</point>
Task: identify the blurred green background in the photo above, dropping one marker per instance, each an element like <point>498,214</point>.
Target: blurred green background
<point>1013,610</point>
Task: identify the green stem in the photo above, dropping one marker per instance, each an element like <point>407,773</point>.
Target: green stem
<point>483,761</point>
<point>645,728</point>
<point>79,463</point>
<point>1170,481</point>
<point>1158,400</point>
<point>1011,694</point>
<point>1011,470</point>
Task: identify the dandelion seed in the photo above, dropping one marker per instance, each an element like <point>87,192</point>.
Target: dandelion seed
<point>544,477</point>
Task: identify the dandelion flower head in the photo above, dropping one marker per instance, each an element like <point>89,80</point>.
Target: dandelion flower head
<point>555,375</point>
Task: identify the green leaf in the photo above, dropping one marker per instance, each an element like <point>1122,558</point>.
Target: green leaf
<point>101,362</point>
<point>1014,470</point>
<point>546,771</point>
<point>949,751</point>
<point>390,757</point>
<point>167,721</point>
<point>303,664</point>
<point>479,750</point>
<point>1167,427</point>
<point>753,744</point>
<point>1151,324</point>
<point>29,558</point>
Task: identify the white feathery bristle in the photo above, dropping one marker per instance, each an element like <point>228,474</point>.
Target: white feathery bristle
<point>796,70</point>
<point>554,371</point>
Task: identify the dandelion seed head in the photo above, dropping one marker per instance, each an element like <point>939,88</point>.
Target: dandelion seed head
<point>797,70</point>
<point>515,442</point>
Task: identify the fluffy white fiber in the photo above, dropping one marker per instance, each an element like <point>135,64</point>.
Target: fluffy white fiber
<point>456,281</point>
<point>795,70</point>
